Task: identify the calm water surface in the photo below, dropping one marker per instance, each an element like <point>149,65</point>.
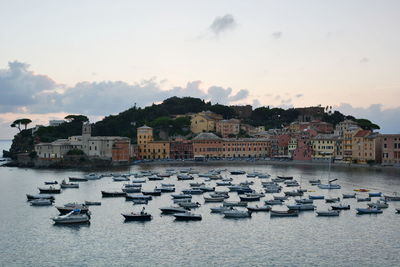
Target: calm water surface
<point>29,238</point>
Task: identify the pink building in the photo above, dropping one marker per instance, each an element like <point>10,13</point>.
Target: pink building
<point>391,149</point>
<point>303,150</point>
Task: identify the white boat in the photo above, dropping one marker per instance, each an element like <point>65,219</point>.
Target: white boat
<point>349,195</point>
<point>172,210</point>
<point>259,208</point>
<point>369,210</point>
<point>72,217</point>
<point>236,214</point>
<point>92,176</point>
<point>41,202</point>
<point>214,199</point>
<point>304,201</point>
<point>329,186</point>
<point>120,179</point>
<point>234,204</point>
<point>285,213</point>
<point>64,184</point>
<point>187,216</point>
<point>189,205</point>
<point>274,202</point>
<point>379,204</point>
<point>328,213</point>
<point>299,206</point>
<point>219,209</point>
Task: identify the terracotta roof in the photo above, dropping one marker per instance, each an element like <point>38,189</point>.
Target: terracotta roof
<point>362,133</point>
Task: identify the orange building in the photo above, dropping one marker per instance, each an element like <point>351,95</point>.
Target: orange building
<point>120,151</point>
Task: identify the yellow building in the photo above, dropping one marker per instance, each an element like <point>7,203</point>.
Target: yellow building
<point>148,148</point>
<point>204,121</point>
<point>367,147</point>
<point>324,147</point>
<point>347,142</point>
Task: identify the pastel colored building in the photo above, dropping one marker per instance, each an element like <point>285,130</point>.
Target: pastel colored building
<point>391,149</point>
<point>324,147</point>
<point>208,145</point>
<point>347,143</point>
<point>228,128</point>
<point>204,121</point>
<point>121,151</point>
<point>367,147</point>
<point>303,150</point>
<point>148,148</point>
<point>181,149</point>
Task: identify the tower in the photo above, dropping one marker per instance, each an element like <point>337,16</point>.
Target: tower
<point>86,134</point>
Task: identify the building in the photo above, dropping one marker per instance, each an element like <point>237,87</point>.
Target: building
<point>243,112</point>
<point>343,126</point>
<point>56,122</point>
<point>292,145</point>
<point>367,147</point>
<point>204,121</point>
<point>228,128</point>
<point>391,149</point>
<point>121,151</point>
<point>309,114</point>
<point>303,150</point>
<point>92,146</point>
<point>347,143</point>
<point>208,145</point>
<point>181,149</point>
<point>324,147</point>
<point>148,148</point>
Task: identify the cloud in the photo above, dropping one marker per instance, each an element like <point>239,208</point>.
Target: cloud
<point>299,95</point>
<point>387,119</point>
<point>276,35</point>
<point>222,24</point>
<point>25,91</point>
<point>364,60</point>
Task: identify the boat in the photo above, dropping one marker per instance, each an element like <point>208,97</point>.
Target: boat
<point>120,179</point>
<point>41,202</point>
<point>234,204</point>
<point>237,172</point>
<point>397,210</point>
<point>219,209</point>
<point>168,185</point>
<point>140,216</point>
<point>375,194</point>
<point>92,176</point>
<point>332,200</point>
<point>246,198</point>
<point>155,192</point>
<point>379,204</point>
<point>172,210</point>
<point>207,188</point>
<point>272,189</point>
<point>274,202</point>
<point>214,199</point>
<point>189,205</point>
<point>304,201</point>
<point>369,210</point>
<point>361,190</point>
<point>259,208</point>
<point>278,180</point>
<point>155,178</point>
<point>315,182</point>
<point>193,191</point>
<point>138,181</point>
<point>391,198</point>
<point>77,179</point>
<point>187,216</point>
<point>329,186</point>
<point>196,184</point>
<point>316,197</point>
<point>49,190</point>
<point>232,213</point>
<point>64,184</point>
<point>295,193</point>
<point>72,206</point>
<point>131,189</point>
<point>328,213</point>
<point>50,182</point>
<point>340,207</point>
<point>219,194</point>
<point>113,193</point>
<point>349,195</point>
<point>183,177</point>
<point>142,197</point>
<point>181,196</point>
<point>164,175</point>
<point>224,183</point>
<point>285,213</point>
<point>75,216</point>
<point>39,196</point>
<point>92,203</point>
<point>285,177</point>
<point>363,199</point>
<point>280,197</point>
<point>167,189</point>
<point>299,206</point>
<point>137,201</point>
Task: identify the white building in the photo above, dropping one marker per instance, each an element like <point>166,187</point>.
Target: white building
<point>56,122</point>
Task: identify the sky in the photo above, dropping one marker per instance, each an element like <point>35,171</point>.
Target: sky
<point>97,57</point>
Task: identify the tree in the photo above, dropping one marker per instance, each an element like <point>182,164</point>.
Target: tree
<point>80,118</point>
<point>19,122</point>
<point>25,122</point>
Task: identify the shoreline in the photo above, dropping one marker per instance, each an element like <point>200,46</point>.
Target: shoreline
<point>214,163</point>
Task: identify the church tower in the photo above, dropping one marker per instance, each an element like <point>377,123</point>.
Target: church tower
<point>86,134</point>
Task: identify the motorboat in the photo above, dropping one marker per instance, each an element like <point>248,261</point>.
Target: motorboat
<point>329,186</point>
<point>183,177</point>
<point>304,201</point>
<point>295,193</point>
<point>278,180</point>
<point>224,183</point>
<point>280,197</point>
<point>74,216</point>
<point>361,190</point>
<point>215,177</point>
<point>259,208</point>
<point>214,199</point>
<point>113,193</point>
<point>41,202</point>
<point>133,196</point>
<point>349,195</point>
<point>92,176</point>
<point>173,210</point>
<point>138,181</point>
<point>134,216</point>
<point>219,209</point>
<point>92,203</point>
<point>189,205</point>
<point>67,208</point>
<point>50,182</point>
<point>340,207</point>
<point>49,190</point>
<point>244,190</point>
<point>363,199</point>
<point>219,194</point>
<point>379,204</point>
<point>236,188</point>
<point>155,178</point>
<point>375,194</point>
<point>234,204</point>
<point>284,213</point>
<point>328,213</point>
<point>315,182</point>
<point>164,175</point>
<point>246,198</point>
<point>369,210</point>
<point>64,184</point>
<point>301,207</point>
<point>285,177</point>
<point>39,196</point>
<point>167,189</point>
<point>131,189</point>
<point>274,202</point>
<point>168,185</point>
<point>236,214</point>
<point>272,189</point>
<point>193,191</point>
<point>137,201</point>
<point>180,200</point>
<point>264,176</point>
<point>397,210</point>
<point>155,192</point>
<point>120,179</point>
<point>196,184</point>
<point>237,172</point>
<point>181,196</point>
<point>207,188</point>
<point>187,216</point>
<point>316,197</point>
<point>332,200</point>
<point>77,179</point>
<point>391,198</point>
